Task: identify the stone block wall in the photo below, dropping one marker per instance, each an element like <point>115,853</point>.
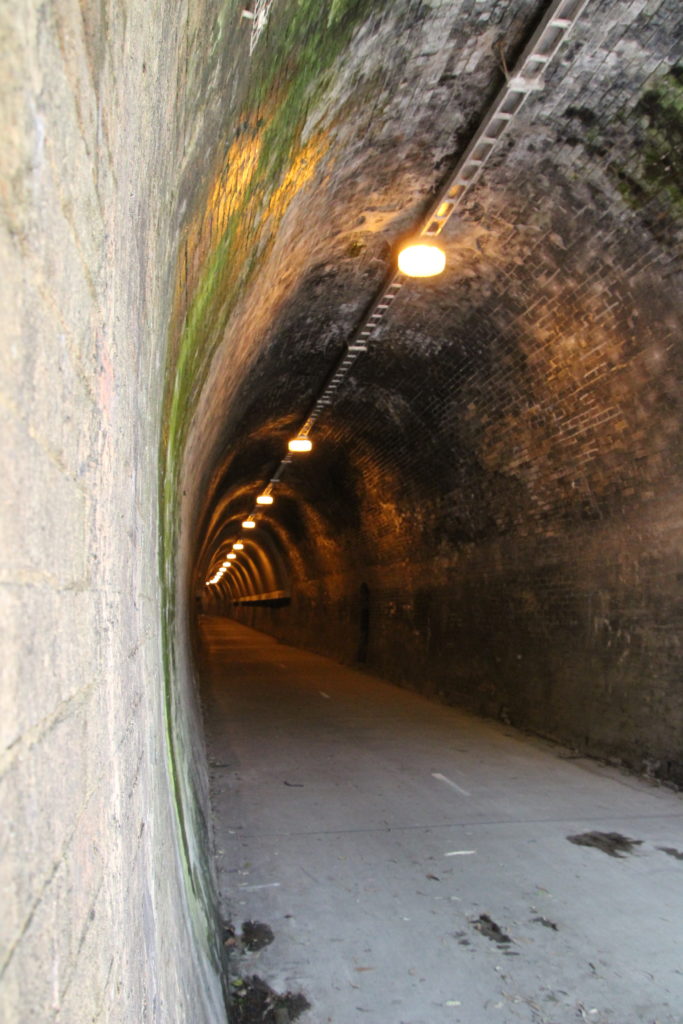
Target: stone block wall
<point>106,895</point>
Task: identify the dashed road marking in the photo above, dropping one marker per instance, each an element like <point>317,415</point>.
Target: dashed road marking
<point>449,782</point>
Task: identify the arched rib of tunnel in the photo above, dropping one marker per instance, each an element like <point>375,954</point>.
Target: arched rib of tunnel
<point>200,204</point>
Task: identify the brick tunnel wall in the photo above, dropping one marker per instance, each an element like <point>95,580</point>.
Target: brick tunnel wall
<point>536,577</point>
<point>503,471</point>
<point>520,533</point>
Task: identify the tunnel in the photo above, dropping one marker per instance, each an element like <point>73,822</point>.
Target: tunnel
<point>476,565</point>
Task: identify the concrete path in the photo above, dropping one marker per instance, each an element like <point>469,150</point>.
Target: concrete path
<point>413,861</point>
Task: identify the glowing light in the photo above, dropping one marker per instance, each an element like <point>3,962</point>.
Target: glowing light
<point>248,524</point>
<point>300,444</point>
<point>421,260</point>
<point>232,555</point>
<point>238,546</point>
<point>264,499</point>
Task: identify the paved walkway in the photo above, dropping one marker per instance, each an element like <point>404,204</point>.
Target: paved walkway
<point>413,861</point>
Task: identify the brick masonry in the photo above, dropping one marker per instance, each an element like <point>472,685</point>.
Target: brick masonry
<point>503,470</point>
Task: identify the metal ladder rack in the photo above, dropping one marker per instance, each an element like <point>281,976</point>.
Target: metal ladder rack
<point>526,77</point>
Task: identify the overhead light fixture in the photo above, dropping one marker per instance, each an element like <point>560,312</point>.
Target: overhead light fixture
<point>232,555</point>
<point>238,545</point>
<point>264,499</point>
<point>300,444</point>
<point>421,259</point>
<point>248,524</point>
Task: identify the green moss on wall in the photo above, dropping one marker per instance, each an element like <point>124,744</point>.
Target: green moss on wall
<point>292,66</point>
<point>268,161</point>
<point>662,108</point>
<point>658,173</point>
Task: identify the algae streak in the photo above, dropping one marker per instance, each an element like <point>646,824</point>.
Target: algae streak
<point>658,116</point>
<point>266,163</point>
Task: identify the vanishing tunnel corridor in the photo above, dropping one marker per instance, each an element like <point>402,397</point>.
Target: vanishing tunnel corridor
<point>227,404</point>
<point>417,864</point>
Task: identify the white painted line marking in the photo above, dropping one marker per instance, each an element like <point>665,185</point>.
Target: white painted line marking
<point>460,853</point>
<point>325,695</point>
<point>252,888</point>
<point>449,782</point>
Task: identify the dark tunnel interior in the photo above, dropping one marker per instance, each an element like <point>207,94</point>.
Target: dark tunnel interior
<point>489,512</point>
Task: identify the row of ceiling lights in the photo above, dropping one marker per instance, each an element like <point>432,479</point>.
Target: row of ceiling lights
<point>423,258</point>
<point>418,259</point>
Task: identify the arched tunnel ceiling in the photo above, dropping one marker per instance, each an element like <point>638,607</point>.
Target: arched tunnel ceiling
<point>535,381</point>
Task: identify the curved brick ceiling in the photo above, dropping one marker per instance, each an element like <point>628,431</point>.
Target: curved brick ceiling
<point>557,254</point>
<point>533,388</point>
